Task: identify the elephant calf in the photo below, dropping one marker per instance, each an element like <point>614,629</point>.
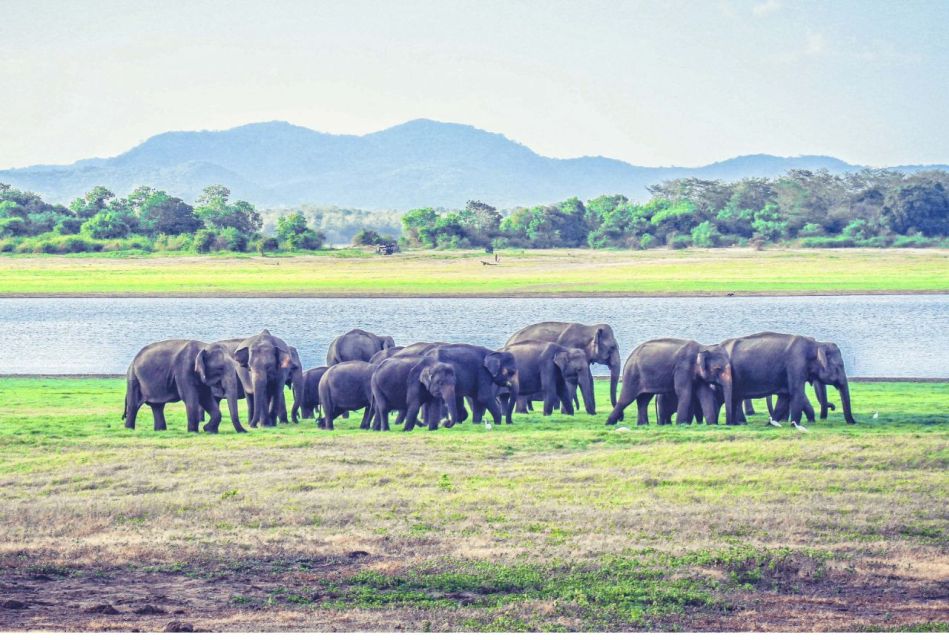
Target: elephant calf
<point>554,372</point>
<point>346,387</point>
<point>406,383</point>
<point>682,367</point>
<point>310,396</point>
<point>189,371</point>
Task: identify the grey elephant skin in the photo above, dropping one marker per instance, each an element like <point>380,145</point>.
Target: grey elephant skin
<point>310,396</point>
<point>682,367</point>
<point>552,371</point>
<point>357,344</point>
<point>346,387</point>
<point>407,383</point>
<point>188,371</point>
<point>597,341</point>
<point>480,373</point>
<point>268,361</point>
<point>780,364</point>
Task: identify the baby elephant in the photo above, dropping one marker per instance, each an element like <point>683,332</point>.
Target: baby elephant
<point>406,383</point>
<point>346,387</point>
<point>554,372</point>
<point>310,398</point>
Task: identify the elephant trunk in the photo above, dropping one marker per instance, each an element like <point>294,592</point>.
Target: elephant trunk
<point>296,384</point>
<point>448,397</point>
<point>614,375</point>
<point>232,408</point>
<point>261,403</point>
<point>844,388</point>
<point>586,388</point>
<point>728,389</point>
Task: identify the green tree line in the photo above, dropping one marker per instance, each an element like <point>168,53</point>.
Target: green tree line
<point>875,208</point>
<point>147,219</point>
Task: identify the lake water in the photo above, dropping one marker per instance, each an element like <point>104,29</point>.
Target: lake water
<point>899,336</point>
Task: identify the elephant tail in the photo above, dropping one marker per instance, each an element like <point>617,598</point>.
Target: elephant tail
<point>133,397</point>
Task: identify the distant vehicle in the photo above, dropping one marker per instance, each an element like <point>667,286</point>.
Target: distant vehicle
<point>387,248</point>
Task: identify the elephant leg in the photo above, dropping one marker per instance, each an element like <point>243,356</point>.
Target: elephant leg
<point>434,414</point>
<point>213,408</point>
<point>193,412</point>
<point>411,416</point>
<point>366,421</point>
<point>460,409</point>
<point>131,412</point>
<point>521,404</point>
<point>251,418</point>
<point>158,415</point>
<point>808,409</point>
<point>749,407</point>
<point>642,406</point>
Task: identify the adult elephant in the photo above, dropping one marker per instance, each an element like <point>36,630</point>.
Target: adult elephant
<point>480,373</point>
<point>405,384</point>
<point>596,340</point>
<point>189,371</point>
<point>385,354</point>
<point>554,372</point>
<point>346,387</point>
<point>780,364</point>
<point>310,400</point>
<point>269,362</point>
<point>672,365</point>
<point>357,344</point>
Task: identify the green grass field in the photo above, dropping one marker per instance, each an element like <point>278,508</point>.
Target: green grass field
<point>456,273</point>
<point>553,523</point>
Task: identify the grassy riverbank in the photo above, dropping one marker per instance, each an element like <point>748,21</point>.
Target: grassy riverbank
<point>461,273</point>
<point>551,523</point>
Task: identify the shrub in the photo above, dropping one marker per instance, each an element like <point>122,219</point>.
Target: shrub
<point>918,241</point>
<point>13,226</point>
<point>705,235</point>
<point>231,239</point>
<point>835,242</point>
<point>68,226</point>
<point>7,246</point>
<point>810,230</point>
<point>648,241</point>
<point>267,244</point>
<point>679,240</point>
<point>203,241</point>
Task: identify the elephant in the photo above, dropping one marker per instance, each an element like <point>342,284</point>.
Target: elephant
<point>269,362</point>
<point>295,382</point>
<point>672,365</point>
<point>479,375</point>
<point>310,396</point>
<point>385,354</point>
<point>356,345</point>
<point>552,371</point>
<point>193,372</point>
<point>346,387</point>
<point>596,340</point>
<point>770,363</point>
<point>406,383</point>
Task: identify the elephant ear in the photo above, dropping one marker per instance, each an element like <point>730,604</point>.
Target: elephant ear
<point>561,358</point>
<point>388,342</point>
<point>822,356</point>
<point>284,358</point>
<point>425,376</point>
<point>700,365</point>
<point>242,354</point>
<point>492,362</point>
<point>199,366</point>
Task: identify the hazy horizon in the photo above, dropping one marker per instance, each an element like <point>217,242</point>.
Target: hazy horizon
<point>683,84</point>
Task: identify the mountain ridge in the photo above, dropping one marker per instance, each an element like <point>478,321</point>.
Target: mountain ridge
<point>420,162</point>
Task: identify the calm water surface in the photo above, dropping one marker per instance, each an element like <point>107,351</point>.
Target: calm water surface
<point>904,336</point>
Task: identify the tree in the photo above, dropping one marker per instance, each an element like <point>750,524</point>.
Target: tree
<point>161,213</point>
<point>769,224</point>
<point>294,234</point>
<point>922,207</point>
<point>215,212</point>
<point>414,222</point>
<point>92,203</point>
<point>111,223</point>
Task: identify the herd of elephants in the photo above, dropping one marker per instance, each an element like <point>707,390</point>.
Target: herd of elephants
<point>428,382</point>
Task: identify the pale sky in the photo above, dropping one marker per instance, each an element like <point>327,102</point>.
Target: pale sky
<point>652,83</point>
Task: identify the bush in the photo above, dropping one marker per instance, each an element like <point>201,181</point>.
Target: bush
<point>810,230</point>
<point>231,239</point>
<point>705,235</point>
<point>836,242</point>
<point>172,243</point>
<point>267,244</point>
<point>679,240</point>
<point>369,237</point>
<point>13,226</point>
<point>7,246</point>
<point>648,241</point>
<point>203,241</point>
<point>918,241</point>
<point>68,226</point>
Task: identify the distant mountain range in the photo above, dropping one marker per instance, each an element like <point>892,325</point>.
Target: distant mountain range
<point>419,163</point>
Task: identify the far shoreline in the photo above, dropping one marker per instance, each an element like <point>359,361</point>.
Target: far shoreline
<point>322,295</point>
